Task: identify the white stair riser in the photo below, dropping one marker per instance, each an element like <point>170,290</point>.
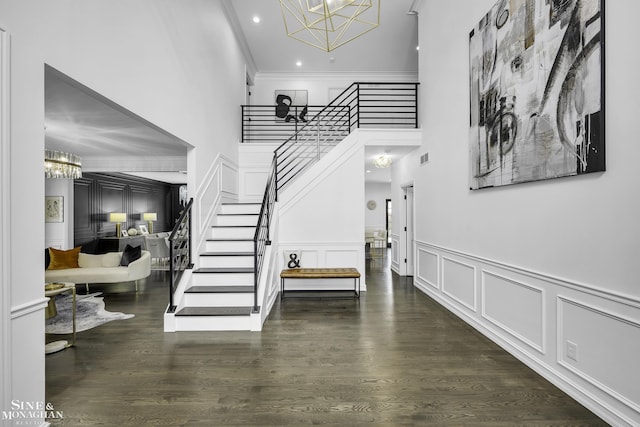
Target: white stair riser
<point>224,279</point>
<point>243,220</point>
<point>213,323</point>
<point>241,209</point>
<point>229,246</point>
<point>232,233</point>
<point>218,300</point>
<point>226,261</point>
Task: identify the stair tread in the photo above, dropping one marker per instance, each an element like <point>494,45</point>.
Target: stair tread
<point>226,254</point>
<point>224,270</point>
<point>226,239</point>
<point>233,226</point>
<point>239,214</point>
<point>214,311</point>
<point>209,289</point>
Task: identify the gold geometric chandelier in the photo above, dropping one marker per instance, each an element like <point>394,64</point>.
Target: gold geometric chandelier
<point>328,24</point>
<point>58,164</point>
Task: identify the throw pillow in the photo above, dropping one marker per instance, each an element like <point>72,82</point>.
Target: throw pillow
<point>130,254</point>
<point>63,259</point>
<point>292,259</point>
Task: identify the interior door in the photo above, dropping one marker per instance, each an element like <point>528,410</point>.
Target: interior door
<point>409,230</point>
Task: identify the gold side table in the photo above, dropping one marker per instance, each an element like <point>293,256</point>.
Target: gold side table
<point>51,290</point>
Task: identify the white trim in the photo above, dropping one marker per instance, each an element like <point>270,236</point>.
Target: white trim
<point>29,308</point>
<point>559,281</point>
<point>474,306</point>
<point>5,220</point>
<point>540,347</point>
<point>561,361</point>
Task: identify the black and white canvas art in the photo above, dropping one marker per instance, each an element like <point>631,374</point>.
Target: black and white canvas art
<point>537,92</point>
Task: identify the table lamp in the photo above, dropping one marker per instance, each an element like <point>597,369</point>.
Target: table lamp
<point>150,217</point>
<point>118,218</point>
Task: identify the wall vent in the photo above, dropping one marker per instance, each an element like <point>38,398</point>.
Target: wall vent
<point>424,158</point>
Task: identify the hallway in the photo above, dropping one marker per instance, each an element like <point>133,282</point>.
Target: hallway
<point>394,358</point>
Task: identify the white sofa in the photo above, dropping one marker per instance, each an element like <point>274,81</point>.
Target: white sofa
<point>102,269</point>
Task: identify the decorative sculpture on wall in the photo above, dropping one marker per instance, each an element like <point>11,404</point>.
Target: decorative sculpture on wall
<point>537,91</point>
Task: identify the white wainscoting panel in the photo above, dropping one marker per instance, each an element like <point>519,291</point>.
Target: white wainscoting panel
<point>427,264</point>
<point>253,182</point>
<point>459,282</point>
<point>584,338</point>
<point>514,307</point>
<point>601,335</point>
<point>341,258</point>
<point>395,253</point>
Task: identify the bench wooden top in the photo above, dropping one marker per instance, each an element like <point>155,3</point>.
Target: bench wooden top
<point>319,273</point>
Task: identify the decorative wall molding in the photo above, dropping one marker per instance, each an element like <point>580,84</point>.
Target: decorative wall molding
<point>533,315</point>
<point>5,220</point>
<point>621,348</point>
<point>395,253</point>
<point>521,305</point>
<point>29,308</point>
<point>570,284</point>
<point>433,267</point>
<point>219,185</point>
<point>455,288</point>
<point>96,195</point>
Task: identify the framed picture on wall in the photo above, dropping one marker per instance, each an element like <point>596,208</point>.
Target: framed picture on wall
<point>537,92</point>
<point>291,105</point>
<point>143,229</point>
<point>54,209</point>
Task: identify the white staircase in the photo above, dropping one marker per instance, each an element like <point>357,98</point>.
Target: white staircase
<point>220,293</point>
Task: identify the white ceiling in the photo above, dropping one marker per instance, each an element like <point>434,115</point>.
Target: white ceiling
<point>390,48</point>
<point>83,122</point>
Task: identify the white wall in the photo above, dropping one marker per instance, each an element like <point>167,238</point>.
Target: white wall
<point>318,86</point>
<point>379,192</point>
<point>176,64</point>
<point>325,224</point>
<point>535,265</point>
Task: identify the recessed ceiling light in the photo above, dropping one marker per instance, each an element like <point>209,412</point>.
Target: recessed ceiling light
<point>256,19</point>
<point>298,63</point>
<point>417,47</point>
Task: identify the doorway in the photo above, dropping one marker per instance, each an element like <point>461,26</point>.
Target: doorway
<point>407,267</point>
<point>389,216</point>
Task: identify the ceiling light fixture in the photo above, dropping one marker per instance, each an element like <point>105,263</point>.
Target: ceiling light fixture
<point>383,161</point>
<point>328,24</point>
<point>256,19</point>
<point>58,164</point>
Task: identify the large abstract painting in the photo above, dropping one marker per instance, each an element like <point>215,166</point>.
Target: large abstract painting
<point>537,91</point>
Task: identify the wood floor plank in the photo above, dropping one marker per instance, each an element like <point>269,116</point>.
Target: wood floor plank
<point>393,358</point>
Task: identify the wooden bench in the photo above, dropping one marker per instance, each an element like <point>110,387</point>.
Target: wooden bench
<point>321,273</point>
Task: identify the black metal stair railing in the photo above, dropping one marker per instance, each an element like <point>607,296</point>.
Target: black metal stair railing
<point>308,135</point>
<point>362,105</point>
<point>179,252</point>
<point>261,238</point>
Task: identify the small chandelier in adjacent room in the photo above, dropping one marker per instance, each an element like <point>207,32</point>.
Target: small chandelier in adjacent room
<point>328,24</point>
<point>382,161</point>
<point>58,164</point>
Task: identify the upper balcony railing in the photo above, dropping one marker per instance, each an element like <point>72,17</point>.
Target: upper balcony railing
<point>369,105</point>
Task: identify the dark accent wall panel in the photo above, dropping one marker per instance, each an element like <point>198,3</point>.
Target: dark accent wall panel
<point>97,194</point>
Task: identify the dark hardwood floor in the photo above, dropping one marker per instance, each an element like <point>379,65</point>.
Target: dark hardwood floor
<point>394,358</point>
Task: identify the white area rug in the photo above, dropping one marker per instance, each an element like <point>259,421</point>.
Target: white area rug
<point>90,312</point>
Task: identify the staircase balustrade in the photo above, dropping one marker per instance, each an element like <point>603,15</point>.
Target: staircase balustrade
<point>310,132</point>
<point>179,252</point>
